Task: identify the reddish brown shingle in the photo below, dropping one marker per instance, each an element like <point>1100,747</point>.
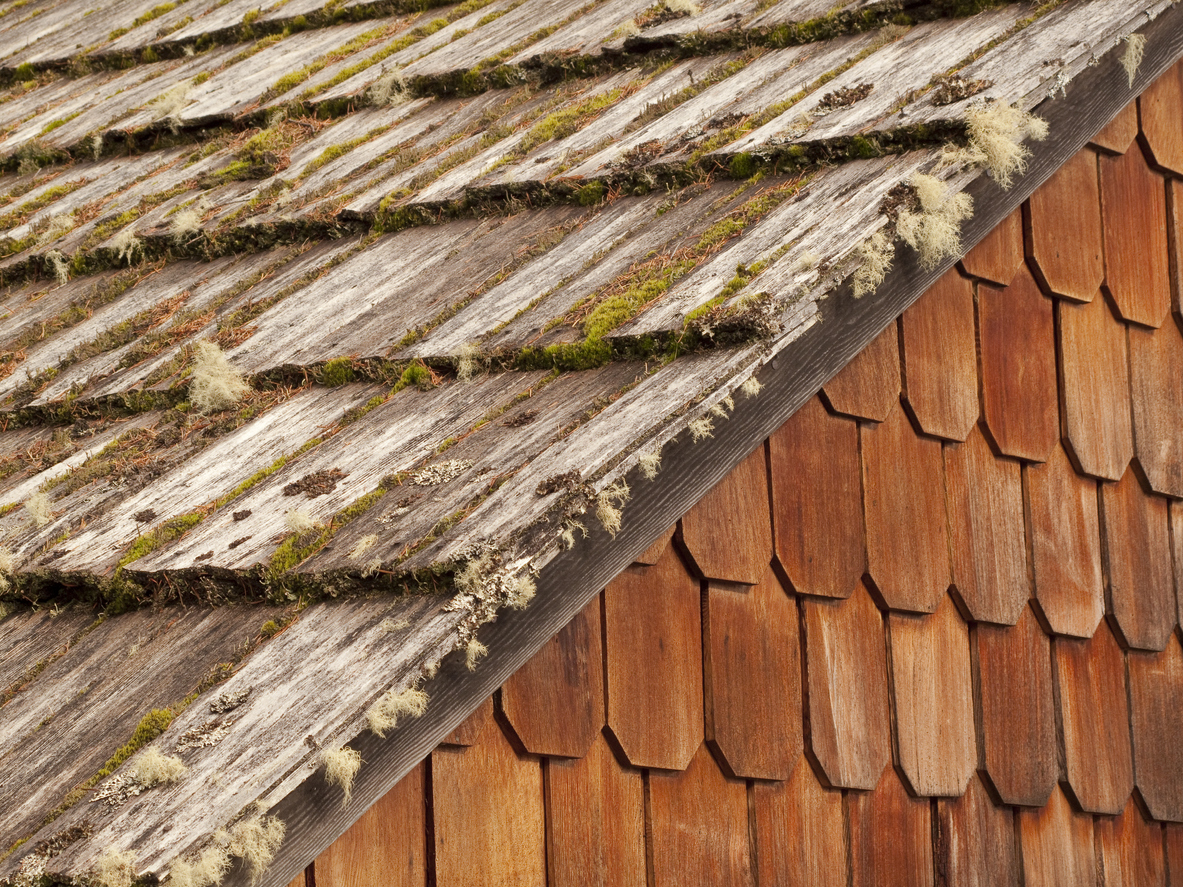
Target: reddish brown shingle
<point>800,831</point>
<point>999,254</point>
<point>729,533</point>
<point>1160,108</point>
<point>1063,230</point>
<point>869,385</point>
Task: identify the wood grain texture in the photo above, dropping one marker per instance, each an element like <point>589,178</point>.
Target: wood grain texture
<point>800,831</point>
<point>1063,230</point>
<point>1129,850</point>
<point>940,358</point>
<point>1065,528</point>
<point>698,821</point>
<point>555,702</point>
<point>817,502</point>
<point>1057,844</point>
<point>729,531</point>
<point>488,814</point>
<point>1156,394</point>
<point>1134,216</point>
<point>846,678</point>
<point>1156,721</point>
<point>1175,242</point>
<point>890,836</point>
<point>1176,519</point>
<point>984,496</point>
<point>1174,854</point>
<point>299,881</point>
<point>869,385</point>
<point>1017,341</point>
<point>1018,715</point>
<point>653,553</point>
<point>595,821</point>
<point>1160,108</point>
<point>1120,132</point>
<point>932,692</point>
<point>1094,714</point>
<point>653,651</point>
<point>470,729</point>
<point>999,254</point>
<point>753,679</point>
<point>1095,389</point>
<point>1138,555</point>
<point>975,841</point>
<point>386,847</point>
<point>907,547</point>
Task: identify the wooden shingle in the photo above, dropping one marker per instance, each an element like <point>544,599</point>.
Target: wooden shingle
<point>817,502</point>
<point>907,548</point>
<point>1160,108</point>
<point>975,841</point>
<point>1091,684</point>
<point>1018,354</point>
<point>801,834</point>
<point>999,254</point>
<point>653,655</point>
<point>1120,132</point>
<point>729,532</point>
<point>846,675</point>
<point>752,661</point>
<point>469,731</point>
<point>869,385</point>
<point>890,836</point>
<point>1156,720</point>
<point>1130,849</point>
<point>1057,845</point>
<point>940,358</point>
<point>1156,393</point>
<point>1063,230</point>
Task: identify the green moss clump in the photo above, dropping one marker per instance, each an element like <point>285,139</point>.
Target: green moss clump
<point>151,725</point>
<point>590,194</point>
<point>337,372</point>
<point>24,72</point>
<point>743,166</point>
<point>269,629</point>
<point>862,147</point>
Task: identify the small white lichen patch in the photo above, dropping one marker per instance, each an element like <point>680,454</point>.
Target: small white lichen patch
<point>440,473</point>
<point>96,145</point>
<point>341,766</point>
<point>208,871</point>
<point>126,245</point>
<point>567,536</point>
<point>474,652</point>
<point>216,384</point>
<point>701,428</point>
<point>751,386</point>
<point>383,715</point>
<point>371,568</point>
<point>650,464</point>
<point>390,626</point>
<point>875,255</point>
<point>255,841</point>
<point>115,868</point>
<point>467,359</point>
<point>609,505</point>
<point>935,231</point>
<point>364,544</point>
<point>996,135</point>
<point>299,521</point>
<point>207,734</point>
<point>389,89</point>
<point>521,592</point>
<point>187,222</point>
<point>1131,58</point>
<point>153,768</point>
<point>689,7</point>
<point>38,507</point>
<point>56,227</point>
<point>61,270</point>
<point>167,105</point>
<point>626,29</point>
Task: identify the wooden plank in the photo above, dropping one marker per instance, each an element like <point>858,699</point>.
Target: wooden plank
<point>469,731</point>
<point>1119,132</point>
<point>1175,242</point>
<point>1130,850</point>
<point>1091,682</point>
<point>653,553</point>
<point>999,254</point>
<point>869,386</point>
<point>817,503</point>
<point>907,547</point>
<point>595,818</point>
<point>890,836</point>
<point>1156,394</point>
<point>846,678</point>
<point>1062,223</point>
<point>1018,715</point>
<point>386,847</point>
<point>698,823</point>
<point>653,655</point>
<point>1156,721</point>
<point>1065,532</point>
<point>1174,854</point>
<point>986,533</point>
<point>975,840</point>
<point>752,664</point>
<point>729,532</point>
<point>1160,108</point>
<point>932,696</point>
<point>1017,341</point>
<point>1176,520</point>
<point>555,702</point>
<point>1134,217</point>
<point>487,814</point>
<point>1138,554</point>
<point>800,831</point>
<point>300,880</point>
<point>940,358</point>
<point>1057,845</point>
<point>1095,391</point>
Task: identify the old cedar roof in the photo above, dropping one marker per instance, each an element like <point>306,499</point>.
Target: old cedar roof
<point>480,264</point>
